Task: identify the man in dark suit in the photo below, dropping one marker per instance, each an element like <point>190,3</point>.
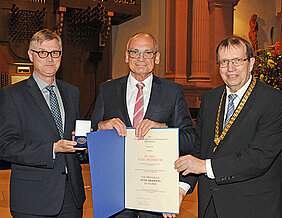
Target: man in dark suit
<point>238,141</point>
<point>37,118</point>
<point>162,102</point>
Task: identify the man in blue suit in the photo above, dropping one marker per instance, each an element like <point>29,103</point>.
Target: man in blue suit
<point>238,143</point>
<point>36,137</point>
<point>163,102</point>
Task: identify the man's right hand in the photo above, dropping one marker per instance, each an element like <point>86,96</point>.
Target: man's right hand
<point>114,123</point>
<point>66,146</point>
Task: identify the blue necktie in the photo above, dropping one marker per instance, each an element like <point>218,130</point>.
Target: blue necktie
<point>230,109</point>
<point>55,109</point>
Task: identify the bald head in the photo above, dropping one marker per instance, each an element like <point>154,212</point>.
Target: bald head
<point>143,35</point>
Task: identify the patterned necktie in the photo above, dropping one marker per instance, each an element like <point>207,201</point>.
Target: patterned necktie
<point>230,109</point>
<point>55,109</point>
<point>139,105</point>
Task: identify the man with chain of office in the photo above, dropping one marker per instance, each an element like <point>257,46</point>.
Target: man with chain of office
<point>237,159</point>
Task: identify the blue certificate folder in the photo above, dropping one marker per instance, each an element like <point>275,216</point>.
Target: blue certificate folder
<point>107,167</point>
<point>107,178</point>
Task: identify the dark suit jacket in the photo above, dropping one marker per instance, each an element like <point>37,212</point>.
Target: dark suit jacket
<point>27,134</point>
<point>247,164</point>
<point>167,105</point>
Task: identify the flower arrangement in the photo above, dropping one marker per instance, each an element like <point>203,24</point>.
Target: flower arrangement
<point>268,66</point>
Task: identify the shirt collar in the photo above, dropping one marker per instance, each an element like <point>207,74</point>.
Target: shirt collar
<point>147,82</point>
<point>241,91</point>
<point>42,84</point>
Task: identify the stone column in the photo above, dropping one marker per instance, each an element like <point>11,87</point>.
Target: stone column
<point>200,46</point>
<point>193,30</point>
<point>177,17</point>
<point>221,26</point>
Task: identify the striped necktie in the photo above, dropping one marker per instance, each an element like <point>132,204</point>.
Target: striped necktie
<point>230,109</point>
<point>139,105</point>
<point>55,110</point>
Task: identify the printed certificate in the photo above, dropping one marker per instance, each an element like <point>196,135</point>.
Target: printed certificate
<point>151,182</point>
<point>134,174</point>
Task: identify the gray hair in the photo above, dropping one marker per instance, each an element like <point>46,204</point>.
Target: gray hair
<point>44,35</point>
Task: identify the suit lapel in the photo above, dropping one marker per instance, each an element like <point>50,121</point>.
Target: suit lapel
<point>222,111</point>
<point>212,118</point>
<point>247,107</point>
<point>154,97</point>
<point>66,103</point>
<point>35,92</point>
<point>121,95</point>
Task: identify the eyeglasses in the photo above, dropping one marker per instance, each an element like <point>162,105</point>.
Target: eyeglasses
<point>235,61</point>
<point>146,54</point>
<point>45,54</point>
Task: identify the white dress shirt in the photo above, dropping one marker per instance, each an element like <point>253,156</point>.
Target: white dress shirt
<point>131,93</point>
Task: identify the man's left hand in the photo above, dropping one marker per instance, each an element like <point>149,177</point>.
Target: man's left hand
<point>190,164</point>
<point>144,126</point>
